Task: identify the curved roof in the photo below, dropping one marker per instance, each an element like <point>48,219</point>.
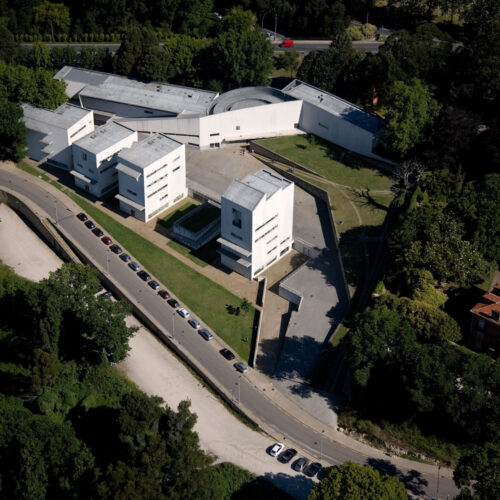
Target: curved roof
<point>247,97</point>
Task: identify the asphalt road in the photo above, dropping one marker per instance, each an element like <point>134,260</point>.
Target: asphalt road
<point>299,45</point>
<point>206,353</point>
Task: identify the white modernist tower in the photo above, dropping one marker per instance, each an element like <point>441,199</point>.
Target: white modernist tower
<point>49,134</point>
<point>151,176</point>
<point>95,158</point>
<point>256,222</point>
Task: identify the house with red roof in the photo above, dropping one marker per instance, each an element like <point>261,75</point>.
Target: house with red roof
<point>485,323</point>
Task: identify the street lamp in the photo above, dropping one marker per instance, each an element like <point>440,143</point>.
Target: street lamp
<point>321,446</point>
<point>107,260</point>
<point>55,205</point>
<point>173,324</point>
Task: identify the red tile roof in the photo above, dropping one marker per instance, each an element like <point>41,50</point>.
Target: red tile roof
<point>490,302</point>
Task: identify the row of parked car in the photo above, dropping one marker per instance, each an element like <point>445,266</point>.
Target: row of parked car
<point>302,464</point>
<point>145,276</point>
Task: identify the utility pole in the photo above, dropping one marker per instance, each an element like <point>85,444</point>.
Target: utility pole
<point>55,205</point>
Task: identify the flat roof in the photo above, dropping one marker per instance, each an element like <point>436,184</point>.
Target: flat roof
<point>104,137</point>
<point>160,96</point>
<point>249,191</point>
<point>335,105</point>
<point>132,203</point>
<point>65,116</point>
<point>149,150</point>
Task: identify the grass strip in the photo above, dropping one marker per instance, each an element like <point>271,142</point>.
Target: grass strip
<point>206,299</point>
<point>184,250</point>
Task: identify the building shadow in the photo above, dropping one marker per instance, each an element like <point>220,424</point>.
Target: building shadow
<point>296,485</point>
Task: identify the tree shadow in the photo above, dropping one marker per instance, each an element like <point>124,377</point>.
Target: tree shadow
<point>413,480</point>
<point>367,199</point>
<point>295,485</point>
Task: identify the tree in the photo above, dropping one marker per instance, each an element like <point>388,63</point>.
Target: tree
<point>288,61</point>
<point>482,223</point>
<point>351,481</point>
<point>410,109</point>
<point>477,473</point>
<point>429,238</point>
<point>241,59</point>
<point>12,131</point>
<point>8,46</point>
<point>40,56</point>
<point>55,16</point>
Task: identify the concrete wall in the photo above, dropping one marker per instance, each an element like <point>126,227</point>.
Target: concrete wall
<point>185,130</point>
<point>270,120</point>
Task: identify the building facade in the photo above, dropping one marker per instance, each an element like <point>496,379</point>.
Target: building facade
<point>50,133</point>
<point>151,176</point>
<point>95,158</point>
<point>256,222</point>
<point>485,323</point>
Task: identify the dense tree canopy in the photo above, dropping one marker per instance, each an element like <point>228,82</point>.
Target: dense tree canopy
<point>12,131</point>
<point>351,481</point>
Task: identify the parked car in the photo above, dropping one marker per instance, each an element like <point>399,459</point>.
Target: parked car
<point>301,464</point>
<point>115,249</point>
<point>277,449</point>
<point>82,217</point>
<point>227,354</point>
<point>144,275</point>
<point>134,266</point>
<point>90,224</point>
<point>287,455</point>
<point>164,294</point>
<point>286,43</point>
<point>183,312</point>
<point>106,295</point>
<point>125,257</point>
<point>194,323</point>
<point>313,469</point>
<point>154,284</point>
<point>205,334</point>
<point>241,367</point>
<point>173,303</point>
<point>97,232</point>
<point>106,240</point>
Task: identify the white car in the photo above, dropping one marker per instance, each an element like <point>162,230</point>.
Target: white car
<point>183,312</point>
<point>277,449</point>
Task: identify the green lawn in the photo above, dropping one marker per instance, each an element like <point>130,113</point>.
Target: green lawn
<point>188,252</point>
<point>169,219</point>
<point>206,299</point>
<point>203,256</point>
<point>330,161</point>
<point>201,219</point>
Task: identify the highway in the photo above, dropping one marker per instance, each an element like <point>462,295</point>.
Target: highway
<point>206,354</point>
<point>305,46</point>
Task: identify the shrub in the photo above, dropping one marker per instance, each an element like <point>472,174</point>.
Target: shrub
<point>355,33</point>
<point>369,30</point>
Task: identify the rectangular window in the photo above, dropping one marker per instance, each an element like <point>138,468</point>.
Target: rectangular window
<point>285,240</point>
<point>266,233</point>
<point>272,250</point>
<point>285,250</point>
<point>321,125</point>
<point>148,112</point>
<point>237,127</point>
<point>158,190</point>
<point>272,239</point>
<point>175,169</point>
<point>272,260</point>
<point>267,222</point>
<point>178,158</point>
<point>213,135</point>
<point>77,132</point>
<point>236,218</point>
<point>131,192</point>
<point>84,155</point>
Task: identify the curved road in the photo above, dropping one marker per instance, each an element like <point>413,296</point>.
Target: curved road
<point>207,355</point>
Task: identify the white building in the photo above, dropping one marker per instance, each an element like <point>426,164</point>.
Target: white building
<point>256,222</point>
<point>95,158</point>
<point>151,176</point>
<point>51,133</point>
<point>206,120</point>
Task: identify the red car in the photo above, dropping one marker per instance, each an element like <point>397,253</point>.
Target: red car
<point>164,294</point>
<point>106,240</point>
<point>286,43</point>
